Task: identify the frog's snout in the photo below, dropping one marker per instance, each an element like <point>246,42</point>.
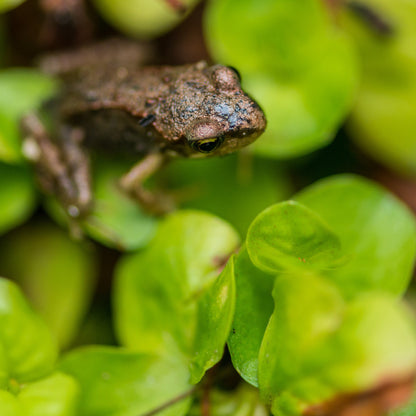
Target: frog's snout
<point>247,119</point>
<point>258,117</point>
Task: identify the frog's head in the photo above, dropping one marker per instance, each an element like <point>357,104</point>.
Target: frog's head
<point>216,116</point>
<point>233,120</point>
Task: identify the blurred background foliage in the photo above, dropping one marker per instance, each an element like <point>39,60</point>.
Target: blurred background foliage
<point>336,79</point>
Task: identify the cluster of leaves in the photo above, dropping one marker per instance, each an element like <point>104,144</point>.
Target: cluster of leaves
<point>169,348</point>
<point>29,383</point>
<point>301,301</point>
<point>326,262</point>
<point>309,305</point>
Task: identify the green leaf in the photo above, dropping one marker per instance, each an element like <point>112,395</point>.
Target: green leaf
<point>9,406</point>
<point>9,4</point>
<point>289,235</point>
<point>377,232</point>
<point>22,90</point>
<point>307,310</point>
<point>56,395</point>
<point>383,120</point>
<point>17,196</point>
<point>235,188</point>
<point>254,305</point>
<point>117,382</point>
<point>4,368</point>
<point>143,19</point>
<point>116,220</point>
<point>57,275</point>
<point>214,317</point>
<point>9,139</point>
<point>317,348</point>
<point>28,345</point>
<point>179,270</point>
<point>297,64</point>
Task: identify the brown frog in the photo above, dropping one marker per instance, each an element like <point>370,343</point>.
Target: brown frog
<point>109,102</point>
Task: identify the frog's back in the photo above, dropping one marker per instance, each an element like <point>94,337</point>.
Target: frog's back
<point>115,106</point>
<point>191,110</point>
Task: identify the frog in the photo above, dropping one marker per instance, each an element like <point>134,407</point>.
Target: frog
<point>111,102</point>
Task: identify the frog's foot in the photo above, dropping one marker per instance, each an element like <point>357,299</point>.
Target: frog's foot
<point>132,184</point>
<point>62,171</point>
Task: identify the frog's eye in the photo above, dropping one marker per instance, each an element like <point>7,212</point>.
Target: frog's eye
<point>226,78</point>
<point>207,145</point>
<point>205,135</point>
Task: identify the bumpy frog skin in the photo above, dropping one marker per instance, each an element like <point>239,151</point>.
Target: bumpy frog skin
<point>174,110</point>
<point>157,112</point>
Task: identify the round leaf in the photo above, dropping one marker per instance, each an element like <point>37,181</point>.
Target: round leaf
<point>317,349</point>
<point>383,120</point>
<point>214,317</point>
<point>17,196</point>
<point>179,270</point>
<point>377,232</point>
<point>57,275</point>
<point>288,235</point>
<point>9,4</point>
<point>144,19</point>
<point>296,63</point>
<point>254,305</point>
<point>307,310</point>
<point>117,382</point>
<point>30,349</point>
<point>9,406</point>
<point>56,395</point>
<point>22,90</point>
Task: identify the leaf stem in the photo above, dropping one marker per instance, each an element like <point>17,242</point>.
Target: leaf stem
<point>206,382</point>
<point>171,402</point>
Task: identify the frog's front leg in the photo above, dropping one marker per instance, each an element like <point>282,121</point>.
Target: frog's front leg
<point>132,184</point>
<point>62,165</point>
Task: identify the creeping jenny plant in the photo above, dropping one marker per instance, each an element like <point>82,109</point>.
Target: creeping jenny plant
<point>29,386</point>
<point>300,303</point>
<point>309,301</point>
<point>317,316</point>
